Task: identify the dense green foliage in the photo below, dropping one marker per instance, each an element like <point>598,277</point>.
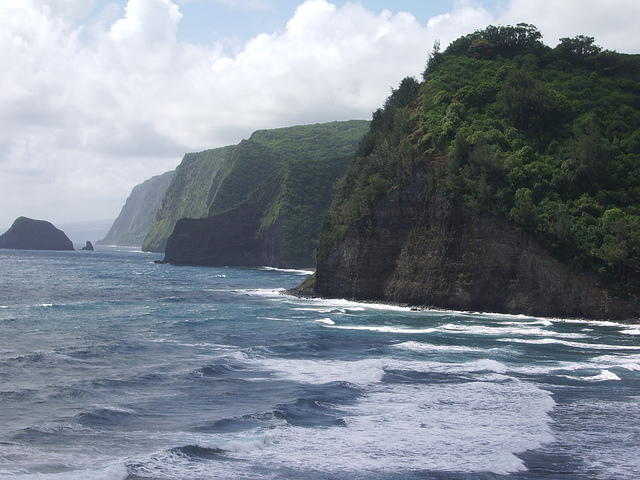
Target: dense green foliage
<point>310,160</point>
<point>290,170</point>
<point>188,194</point>
<point>299,165</point>
<point>547,137</point>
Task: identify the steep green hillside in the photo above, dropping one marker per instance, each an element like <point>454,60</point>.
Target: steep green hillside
<point>189,194</point>
<point>503,127</point>
<point>282,180</point>
<point>138,212</point>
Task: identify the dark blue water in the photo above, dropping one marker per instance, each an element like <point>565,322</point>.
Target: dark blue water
<point>112,367</point>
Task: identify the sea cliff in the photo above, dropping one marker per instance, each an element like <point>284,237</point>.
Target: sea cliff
<point>189,194</point>
<point>138,212</point>
<point>268,200</point>
<point>499,183</point>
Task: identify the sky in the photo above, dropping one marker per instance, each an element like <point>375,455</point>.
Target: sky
<point>99,95</point>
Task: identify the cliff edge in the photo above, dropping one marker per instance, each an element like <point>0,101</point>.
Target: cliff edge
<point>505,181</point>
<point>138,212</point>
<point>268,198</point>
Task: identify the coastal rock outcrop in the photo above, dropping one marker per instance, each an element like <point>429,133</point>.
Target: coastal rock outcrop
<point>424,250</point>
<point>88,246</point>
<point>29,234</point>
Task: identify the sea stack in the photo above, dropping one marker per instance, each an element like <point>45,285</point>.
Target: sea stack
<point>29,234</point>
<point>88,246</point>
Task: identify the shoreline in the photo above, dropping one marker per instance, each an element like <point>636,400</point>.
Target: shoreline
<point>296,292</point>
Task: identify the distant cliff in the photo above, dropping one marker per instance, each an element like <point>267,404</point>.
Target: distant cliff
<point>268,198</point>
<point>189,194</point>
<point>29,234</point>
<point>138,212</point>
<point>506,181</point>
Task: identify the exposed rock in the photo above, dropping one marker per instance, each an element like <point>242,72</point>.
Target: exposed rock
<point>88,246</point>
<point>268,200</point>
<point>188,195</point>
<point>422,250</point>
<point>29,234</point>
<point>228,238</point>
<point>138,212</point>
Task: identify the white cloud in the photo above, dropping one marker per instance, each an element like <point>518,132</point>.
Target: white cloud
<point>613,23</point>
<point>246,4</point>
<point>68,8</point>
<point>87,111</point>
<point>149,21</point>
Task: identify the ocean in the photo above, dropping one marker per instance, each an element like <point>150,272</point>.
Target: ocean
<point>113,367</point>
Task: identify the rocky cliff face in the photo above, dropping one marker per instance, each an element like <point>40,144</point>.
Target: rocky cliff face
<point>230,238</point>
<point>419,248</point>
<point>497,185</point>
<point>189,194</point>
<point>29,234</point>
<point>138,212</point>
<point>269,198</point>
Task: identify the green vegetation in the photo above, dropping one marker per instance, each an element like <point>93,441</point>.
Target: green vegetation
<point>292,170</point>
<point>189,194</point>
<point>546,137</point>
<point>310,160</point>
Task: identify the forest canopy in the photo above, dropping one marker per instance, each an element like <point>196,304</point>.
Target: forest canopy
<point>546,137</point>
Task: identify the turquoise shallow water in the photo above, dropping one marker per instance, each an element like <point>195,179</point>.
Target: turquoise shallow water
<point>113,367</point>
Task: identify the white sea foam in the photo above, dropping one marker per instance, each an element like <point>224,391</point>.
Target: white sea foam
<point>89,472</point>
<point>45,305</point>
<point>260,292</point>
<point>594,346</point>
<point>359,372</point>
<point>354,305</point>
<point>428,347</point>
<point>326,321</point>
<point>542,321</point>
<point>517,329</point>
<point>322,310</point>
<point>631,331</point>
<point>4,306</point>
<point>393,425</point>
<point>628,362</point>
<point>467,329</point>
<point>383,328</point>
<point>368,371</point>
<point>522,319</point>
<point>276,319</point>
<point>400,428</point>
<point>297,271</point>
<point>600,323</point>
<point>603,376</point>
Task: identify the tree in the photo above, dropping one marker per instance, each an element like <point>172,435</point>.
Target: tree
<point>578,47</point>
<point>435,57</point>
